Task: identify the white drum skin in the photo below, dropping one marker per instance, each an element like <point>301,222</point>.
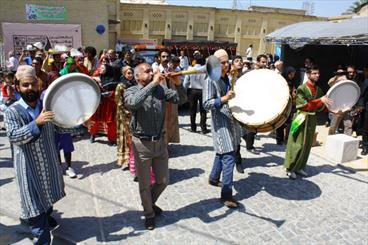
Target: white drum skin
<point>262,100</point>
<point>73,98</point>
<point>345,94</point>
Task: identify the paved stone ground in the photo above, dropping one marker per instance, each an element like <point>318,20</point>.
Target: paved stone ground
<point>103,205</point>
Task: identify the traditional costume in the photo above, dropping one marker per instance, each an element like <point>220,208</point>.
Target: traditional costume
<point>303,127</point>
<point>104,119</point>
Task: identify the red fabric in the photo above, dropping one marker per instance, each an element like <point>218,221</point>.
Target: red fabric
<point>105,116</point>
<point>313,104</point>
<point>53,67</point>
<point>4,91</point>
<point>82,69</point>
<point>96,73</point>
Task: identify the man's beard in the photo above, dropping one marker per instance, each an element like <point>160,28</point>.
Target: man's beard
<point>30,97</point>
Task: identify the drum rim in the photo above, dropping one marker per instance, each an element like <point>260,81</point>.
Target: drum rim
<point>341,83</point>
<point>262,129</point>
<point>285,105</point>
<point>60,81</point>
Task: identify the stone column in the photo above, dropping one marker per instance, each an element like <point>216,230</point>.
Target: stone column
<point>190,26</point>
<point>145,24</point>
<point>262,34</point>
<point>211,26</point>
<point>237,34</point>
<point>168,25</point>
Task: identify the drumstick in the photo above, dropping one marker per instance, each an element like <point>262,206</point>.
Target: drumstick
<point>234,75</point>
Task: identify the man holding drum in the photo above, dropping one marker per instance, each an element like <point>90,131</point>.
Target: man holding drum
<point>147,103</point>
<point>36,162</point>
<point>225,131</point>
<point>309,101</point>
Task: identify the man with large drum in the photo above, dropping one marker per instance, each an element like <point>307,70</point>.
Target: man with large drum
<point>225,131</point>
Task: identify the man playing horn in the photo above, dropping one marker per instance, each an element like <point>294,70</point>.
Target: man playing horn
<point>147,100</point>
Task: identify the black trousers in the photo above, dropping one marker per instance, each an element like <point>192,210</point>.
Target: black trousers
<point>249,139</point>
<point>195,97</point>
<point>280,136</point>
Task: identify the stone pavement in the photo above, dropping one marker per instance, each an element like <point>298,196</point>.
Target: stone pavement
<point>103,205</point>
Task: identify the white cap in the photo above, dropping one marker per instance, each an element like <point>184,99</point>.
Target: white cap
<point>221,53</point>
<point>30,47</point>
<point>75,53</point>
<point>38,45</point>
<point>59,49</point>
<point>25,71</point>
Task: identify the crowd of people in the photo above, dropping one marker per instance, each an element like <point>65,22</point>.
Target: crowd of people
<point>139,114</point>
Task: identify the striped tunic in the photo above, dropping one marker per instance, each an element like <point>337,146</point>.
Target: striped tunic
<point>225,130</point>
<point>36,163</point>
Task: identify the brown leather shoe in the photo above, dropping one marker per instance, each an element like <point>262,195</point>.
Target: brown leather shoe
<point>230,203</point>
<point>216,183</point>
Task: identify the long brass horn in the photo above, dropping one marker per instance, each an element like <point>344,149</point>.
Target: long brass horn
<point>212,68</point>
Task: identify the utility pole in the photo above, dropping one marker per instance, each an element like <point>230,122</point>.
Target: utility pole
<point>308,6</point>
<point>235,4</point>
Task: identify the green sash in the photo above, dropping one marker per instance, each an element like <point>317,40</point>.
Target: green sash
<point>299,120</point>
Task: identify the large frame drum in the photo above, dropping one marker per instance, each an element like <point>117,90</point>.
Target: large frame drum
<point>345,94</point>
<point>262,101</point>
<point>73,98</point>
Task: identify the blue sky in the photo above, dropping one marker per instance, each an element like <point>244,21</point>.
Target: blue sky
<point>326,8</point>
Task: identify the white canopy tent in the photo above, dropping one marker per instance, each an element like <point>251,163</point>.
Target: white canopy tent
<point>349,32</point>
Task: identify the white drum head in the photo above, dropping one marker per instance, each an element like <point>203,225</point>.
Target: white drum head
<point>345,94</point>
<point>73,98</point>
<point>260,97</point>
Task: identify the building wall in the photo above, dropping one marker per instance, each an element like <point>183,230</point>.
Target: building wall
<point>147,21</point>
<point>244,27</point>
<point>87,13</point>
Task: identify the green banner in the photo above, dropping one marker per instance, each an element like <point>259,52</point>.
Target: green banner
<point>39,12</point>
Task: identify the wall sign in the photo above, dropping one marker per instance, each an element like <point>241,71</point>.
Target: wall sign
<point>39,12</point>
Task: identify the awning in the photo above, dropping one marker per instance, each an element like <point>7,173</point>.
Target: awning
<point>349,32</point>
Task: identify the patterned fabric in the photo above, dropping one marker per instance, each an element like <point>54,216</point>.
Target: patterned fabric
<point>148,107</point>
<point>36,162</point>
<point>225,131</point>
<point>123,117</point>
<point>172,119</point>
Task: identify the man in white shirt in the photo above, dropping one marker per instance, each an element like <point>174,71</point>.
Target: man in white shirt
<point>184,63</point>
<point>119,47</point>
<point>249,52</point>
<point>13,63</point>
<point>279,67</point>
<point>308,62</point>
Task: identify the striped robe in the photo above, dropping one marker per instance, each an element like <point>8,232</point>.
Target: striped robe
<point>36,163</point>
<point>225,130</point>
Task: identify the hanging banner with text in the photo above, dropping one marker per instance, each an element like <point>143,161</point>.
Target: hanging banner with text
<point>39,12</point>
<point>17,36</point>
